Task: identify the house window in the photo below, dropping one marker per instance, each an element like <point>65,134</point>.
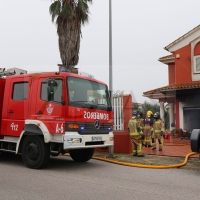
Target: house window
<point>197,64</point>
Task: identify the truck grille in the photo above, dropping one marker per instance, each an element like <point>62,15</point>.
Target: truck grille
<point>89,128</point>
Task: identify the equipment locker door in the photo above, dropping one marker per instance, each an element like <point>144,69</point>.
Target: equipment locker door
<point>18,105</point>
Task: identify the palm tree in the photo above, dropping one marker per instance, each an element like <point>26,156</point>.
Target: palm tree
<point>69,15</point>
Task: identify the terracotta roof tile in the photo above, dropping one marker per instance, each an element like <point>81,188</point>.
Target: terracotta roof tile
<point>174,86</point>
<point>171,56</point>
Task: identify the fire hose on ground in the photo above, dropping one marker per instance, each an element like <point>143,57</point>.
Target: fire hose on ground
<point>143,165</point>
<point>147,166</point>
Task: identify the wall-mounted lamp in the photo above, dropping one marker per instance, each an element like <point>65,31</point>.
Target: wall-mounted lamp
<point>177,55</point>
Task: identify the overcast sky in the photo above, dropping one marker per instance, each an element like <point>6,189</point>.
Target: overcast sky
<point>141,29</point>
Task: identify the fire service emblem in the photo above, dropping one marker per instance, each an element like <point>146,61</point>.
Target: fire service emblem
<point>50,108</point>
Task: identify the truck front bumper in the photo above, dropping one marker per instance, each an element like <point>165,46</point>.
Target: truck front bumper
<point>73,140</point>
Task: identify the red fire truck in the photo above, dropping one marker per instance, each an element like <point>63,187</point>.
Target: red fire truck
<point>53,113</point>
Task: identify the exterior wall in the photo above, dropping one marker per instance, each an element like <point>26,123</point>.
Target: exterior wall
<point>195,51</point>
<point>122,142</point>
<point>184,68</point>
<point>127,105</point>
<point>171,73</point>
<point>183,65</point>
<point>184,71</point>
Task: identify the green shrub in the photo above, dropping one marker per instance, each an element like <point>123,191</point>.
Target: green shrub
<point>175,131</point>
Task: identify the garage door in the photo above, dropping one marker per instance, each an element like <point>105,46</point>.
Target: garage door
<point>191,118</point>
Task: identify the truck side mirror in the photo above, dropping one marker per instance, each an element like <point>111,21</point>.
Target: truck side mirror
<point>52,83</point>
<point>50,89</point>
<point>50,93</point>
<point>109,93</point>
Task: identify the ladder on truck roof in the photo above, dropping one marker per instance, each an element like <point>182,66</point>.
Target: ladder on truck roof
<point>3,72</point>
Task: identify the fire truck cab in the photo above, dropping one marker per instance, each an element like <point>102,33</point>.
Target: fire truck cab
<point>53,113</point>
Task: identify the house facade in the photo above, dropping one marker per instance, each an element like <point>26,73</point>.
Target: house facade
<point>183,90</point>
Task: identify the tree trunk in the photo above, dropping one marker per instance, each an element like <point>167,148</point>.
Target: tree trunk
<point>69,32</point>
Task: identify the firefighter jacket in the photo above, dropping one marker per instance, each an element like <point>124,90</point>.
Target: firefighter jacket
<point>158,126</point>
<point>141,123</point>
<point>132,126</point>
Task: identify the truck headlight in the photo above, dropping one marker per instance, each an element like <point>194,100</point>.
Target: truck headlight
<point>74,140</point>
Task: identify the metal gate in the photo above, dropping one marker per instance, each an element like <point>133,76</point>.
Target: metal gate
<point>118,112</point>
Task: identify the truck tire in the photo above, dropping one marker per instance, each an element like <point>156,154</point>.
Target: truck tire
<point>35,153</point>
<point>195,140</point>
<point>81,155</point>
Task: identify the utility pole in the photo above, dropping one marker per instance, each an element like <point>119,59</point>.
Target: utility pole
<point>110,65</point>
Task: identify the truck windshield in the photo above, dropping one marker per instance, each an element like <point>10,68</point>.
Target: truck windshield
<point>87,94</point>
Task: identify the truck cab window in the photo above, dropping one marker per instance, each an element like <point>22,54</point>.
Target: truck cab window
<point>20,91</point>
<point>86,93</point>
<point>53,93</point>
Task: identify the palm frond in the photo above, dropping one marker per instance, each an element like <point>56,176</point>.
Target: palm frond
<point>83,10</point>
<point>54,9</point>
<point>67,11</point>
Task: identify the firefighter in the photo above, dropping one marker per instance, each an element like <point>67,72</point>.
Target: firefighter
<point>141,124</point>
<point>135,135</point>
<point>158,129</point>
<point>148,128</point>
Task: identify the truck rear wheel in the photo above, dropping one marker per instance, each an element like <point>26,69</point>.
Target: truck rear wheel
<point>81,155</point>
<point>195,140</point>
<point>35,153</point>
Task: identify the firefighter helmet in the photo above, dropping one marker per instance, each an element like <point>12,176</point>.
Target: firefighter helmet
<point>134,114</point>
<point>156,115</point>
<point>139,114</point>
<point>149,113</point>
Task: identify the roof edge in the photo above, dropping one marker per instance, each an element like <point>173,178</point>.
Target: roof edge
<point>182,37</point>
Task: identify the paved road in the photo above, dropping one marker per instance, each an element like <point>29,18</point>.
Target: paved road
<point>65,179</point>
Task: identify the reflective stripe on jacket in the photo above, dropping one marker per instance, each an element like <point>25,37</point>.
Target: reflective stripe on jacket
<point>158,126</point>
<point>132,125</point>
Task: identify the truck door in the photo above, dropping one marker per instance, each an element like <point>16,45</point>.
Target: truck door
<point>18,105</point>
<point>50,107</point>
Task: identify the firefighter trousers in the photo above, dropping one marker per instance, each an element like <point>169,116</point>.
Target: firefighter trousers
<point>157,136</point>
<point>147,135</point>
<point>136,144</point>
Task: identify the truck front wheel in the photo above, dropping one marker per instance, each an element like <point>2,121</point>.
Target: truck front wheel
<point>35,153</point>
<point>81,155</point>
